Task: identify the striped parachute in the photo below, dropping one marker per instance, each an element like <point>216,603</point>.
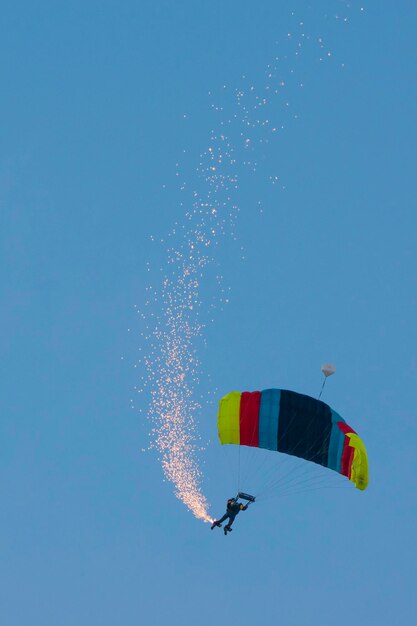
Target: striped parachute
<point>295,424</point>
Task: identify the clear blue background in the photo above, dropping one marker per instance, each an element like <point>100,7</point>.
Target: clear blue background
<point>92,106</point>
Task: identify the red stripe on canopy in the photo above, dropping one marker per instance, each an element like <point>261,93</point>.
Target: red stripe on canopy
<point>347,458</point>
<point>250,403</point>
<point>345,428</point>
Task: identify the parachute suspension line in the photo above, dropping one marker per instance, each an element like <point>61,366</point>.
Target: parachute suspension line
<point>279,462</point>
<point>296,474</point>
<point>292,481</point>
<point>303,488</point>
<point>322,387</point>
<point>299,477</point>
<point>261,468</point>
<point>238,469</point>
<point>269,476</point>
<point>291,475</point>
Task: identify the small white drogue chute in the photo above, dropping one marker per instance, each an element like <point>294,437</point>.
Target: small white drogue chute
<point>328,369</point>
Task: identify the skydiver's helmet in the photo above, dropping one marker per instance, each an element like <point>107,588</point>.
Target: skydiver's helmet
<point>231,501</point>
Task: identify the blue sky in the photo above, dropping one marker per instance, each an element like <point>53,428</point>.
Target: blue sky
<point>93,106</point>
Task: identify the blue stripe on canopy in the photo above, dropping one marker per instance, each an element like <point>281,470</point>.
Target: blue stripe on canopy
<point>337,438</point>
<point>268,419</point>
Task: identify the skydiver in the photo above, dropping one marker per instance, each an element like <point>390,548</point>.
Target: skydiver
<point>233,508</point>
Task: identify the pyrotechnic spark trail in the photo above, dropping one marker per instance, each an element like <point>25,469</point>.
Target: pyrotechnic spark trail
<point>176,313</point>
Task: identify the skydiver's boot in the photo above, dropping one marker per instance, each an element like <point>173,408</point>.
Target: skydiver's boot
<point>214,524</point>
<point>227,529</point>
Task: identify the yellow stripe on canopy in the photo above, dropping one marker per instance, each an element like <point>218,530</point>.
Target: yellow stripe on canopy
<point>359,469</point>
<point>228,422</point>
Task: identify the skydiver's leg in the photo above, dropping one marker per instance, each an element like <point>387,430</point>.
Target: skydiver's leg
<point>228,528</point>
<point>219,522</point>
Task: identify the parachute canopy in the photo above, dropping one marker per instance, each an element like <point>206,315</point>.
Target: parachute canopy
<point>295,424</point>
